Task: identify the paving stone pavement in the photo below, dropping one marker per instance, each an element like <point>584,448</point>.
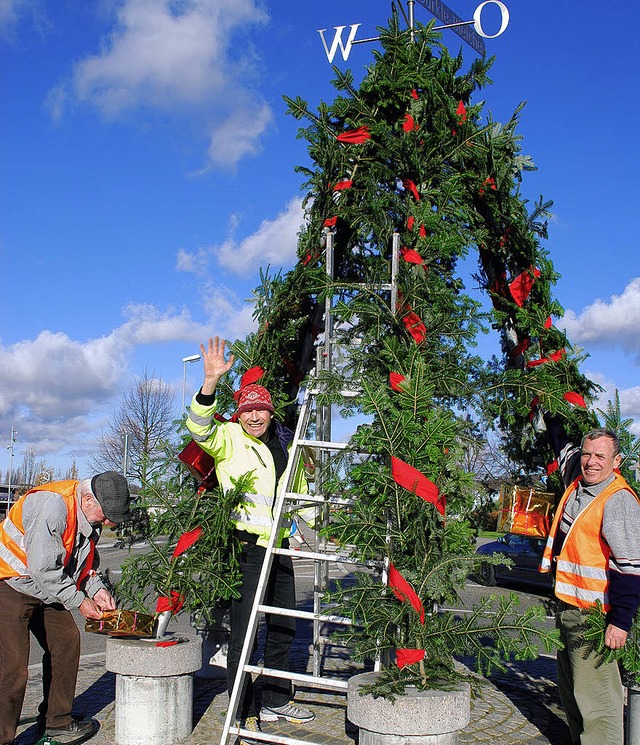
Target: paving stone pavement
<point>519,707</point>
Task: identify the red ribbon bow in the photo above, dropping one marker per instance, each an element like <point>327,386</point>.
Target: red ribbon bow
<point>408,125</point>
<point>355,136</point>
<point>520,287</point>
<point>345,184</point>
<point>575,398</point>
<point>406,657</point>
<point>172,603</point>
<point>412,480</point>
<point>410,186</point>
<point>395,380</point>
<point>186,540</point>
<point>403,591</point>
<point>411,256</point>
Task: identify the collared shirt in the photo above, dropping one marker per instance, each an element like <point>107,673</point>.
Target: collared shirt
<point>44,520</point>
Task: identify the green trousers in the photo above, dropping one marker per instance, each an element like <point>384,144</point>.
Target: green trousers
<point>592,696</point>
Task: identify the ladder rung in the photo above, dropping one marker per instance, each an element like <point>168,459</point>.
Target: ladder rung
<point>312,681</point>
<point>331,558</point>
<point>323,444</point>
<point>319,498</point>
<point>272,738</point>
<point>304,614</point>
<point>345,392</point>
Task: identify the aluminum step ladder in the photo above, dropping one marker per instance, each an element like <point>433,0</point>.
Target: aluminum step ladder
<point>322,558</point>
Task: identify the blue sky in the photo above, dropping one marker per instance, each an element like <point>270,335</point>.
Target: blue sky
<point>147,172</point>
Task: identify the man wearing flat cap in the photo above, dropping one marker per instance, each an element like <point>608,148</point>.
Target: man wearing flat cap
<point>48,563</point>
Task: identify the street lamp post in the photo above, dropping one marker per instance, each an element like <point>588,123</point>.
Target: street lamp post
<point>10,449</point>
<point>185,360</point>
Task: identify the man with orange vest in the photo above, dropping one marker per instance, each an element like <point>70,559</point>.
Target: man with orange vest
<point>594,548</point>
<point>48,563</point>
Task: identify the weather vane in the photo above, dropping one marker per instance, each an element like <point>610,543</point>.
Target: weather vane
<point>472,32</point>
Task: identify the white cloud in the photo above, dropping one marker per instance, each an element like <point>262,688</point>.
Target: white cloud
<point>180,58</point>
<point>611,323</point>
<point>273,243</point>
<point>12,12</point>
<point>238,135</point>
<point>56,389</point>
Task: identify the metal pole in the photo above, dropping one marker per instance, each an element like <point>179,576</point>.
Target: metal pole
<point>190,358</point>
<point>632,717</point>
<point>411,5</point>
<point>125,457</point>
<point>10,449</point>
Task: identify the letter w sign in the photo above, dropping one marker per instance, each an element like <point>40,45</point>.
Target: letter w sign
<point>337,42</point>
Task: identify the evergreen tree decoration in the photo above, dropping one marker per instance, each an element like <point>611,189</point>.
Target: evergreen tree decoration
<point>407,152</point>
<point>192,562</point>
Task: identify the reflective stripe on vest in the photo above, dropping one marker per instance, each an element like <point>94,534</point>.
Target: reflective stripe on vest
<point>13,559</point>
<point>581,569</point>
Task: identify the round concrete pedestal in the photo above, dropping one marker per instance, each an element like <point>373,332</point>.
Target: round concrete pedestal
<point>414,718</point>
<point>154,689</point>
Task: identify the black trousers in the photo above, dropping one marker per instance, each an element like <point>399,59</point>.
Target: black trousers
<point>56,631</point>
<point>280,629</point>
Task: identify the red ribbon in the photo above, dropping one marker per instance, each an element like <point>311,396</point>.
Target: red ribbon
<point>417,329</point>
<point>520,348</point>
<point>330,222</point>
<point>395,380</point>
<point>423,231</point>
<point>346,184</point>
<point>552,467</point>
<point>186,540</point>
<point>410,186</point>
<point>532,408</point>
<point>173,603</point>
<point>408,125</point>
<point>411,256</point>
<point>355,136</point>
<point>553,357</point>
<point>548,323</point>
<point>403,591</point>
<point>411,222</point>
<point>521,286</point>
<point>575,398</point>
<point>412,480</point>
<point>489,181</point>
<point>414,94</point>
<point>461,112</point>
<point>406,657</point>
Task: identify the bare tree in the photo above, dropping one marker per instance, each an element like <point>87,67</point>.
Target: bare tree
<point>29,466</point>
<point>144,418</point>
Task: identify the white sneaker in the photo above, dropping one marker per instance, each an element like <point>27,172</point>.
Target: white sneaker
<point>291,712</point>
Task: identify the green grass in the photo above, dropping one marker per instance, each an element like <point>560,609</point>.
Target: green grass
<point>490,534</point>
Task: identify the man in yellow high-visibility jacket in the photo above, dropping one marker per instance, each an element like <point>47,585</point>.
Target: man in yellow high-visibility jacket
<point>255,444</point>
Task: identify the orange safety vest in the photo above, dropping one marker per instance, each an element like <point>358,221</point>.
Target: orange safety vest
<point>13,559</point>
<point>582,576</point>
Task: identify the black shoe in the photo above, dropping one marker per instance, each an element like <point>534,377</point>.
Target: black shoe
<point>78,727</point>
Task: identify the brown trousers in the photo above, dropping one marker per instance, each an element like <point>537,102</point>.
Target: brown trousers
<point>56,631</point>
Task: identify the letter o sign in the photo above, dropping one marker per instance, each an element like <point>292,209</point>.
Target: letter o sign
<point>477,18</point>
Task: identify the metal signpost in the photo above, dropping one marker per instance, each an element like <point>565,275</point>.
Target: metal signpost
<point>472,36</point>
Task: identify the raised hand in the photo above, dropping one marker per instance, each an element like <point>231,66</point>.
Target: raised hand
<point>215,365</point>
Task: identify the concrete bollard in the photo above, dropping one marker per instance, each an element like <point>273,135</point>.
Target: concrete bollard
<point>414,718</point>
<point>154,689</point>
